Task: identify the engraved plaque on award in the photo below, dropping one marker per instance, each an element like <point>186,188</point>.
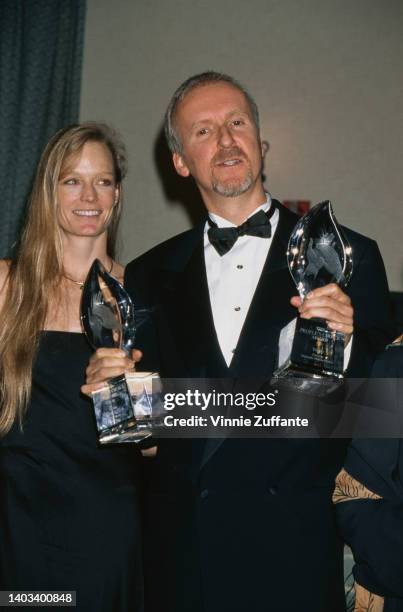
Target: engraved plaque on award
<point>127,407</point>
<point>318,254</point>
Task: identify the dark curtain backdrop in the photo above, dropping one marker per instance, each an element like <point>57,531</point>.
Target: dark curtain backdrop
<point>41,46</point>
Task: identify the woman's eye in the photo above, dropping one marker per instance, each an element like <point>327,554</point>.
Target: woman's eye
<point>105,181</point>
<point>70,181</point>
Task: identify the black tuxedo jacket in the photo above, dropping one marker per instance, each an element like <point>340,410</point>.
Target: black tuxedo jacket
<point>374,528</point>
<point>230,524</point>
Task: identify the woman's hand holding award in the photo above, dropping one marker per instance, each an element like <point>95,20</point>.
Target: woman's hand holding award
<point>127,407</point>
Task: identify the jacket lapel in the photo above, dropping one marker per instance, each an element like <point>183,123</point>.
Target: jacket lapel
<point>186,303</point>
<point>270,310</point>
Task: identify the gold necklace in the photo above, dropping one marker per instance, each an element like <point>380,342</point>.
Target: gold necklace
<point>81,283</point>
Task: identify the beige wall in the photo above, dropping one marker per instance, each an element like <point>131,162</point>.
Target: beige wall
<point>327,76</point>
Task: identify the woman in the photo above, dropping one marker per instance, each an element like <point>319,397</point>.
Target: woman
<point>369,494</point>
<point>69,514</point>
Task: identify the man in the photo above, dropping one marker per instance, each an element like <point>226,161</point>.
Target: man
<point>231,524</point>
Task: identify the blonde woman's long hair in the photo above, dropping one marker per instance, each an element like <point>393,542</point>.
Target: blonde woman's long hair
<point>37,270</point>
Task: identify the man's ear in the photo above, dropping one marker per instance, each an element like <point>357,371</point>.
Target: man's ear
<point>265,146</point>
<point>180,165</point>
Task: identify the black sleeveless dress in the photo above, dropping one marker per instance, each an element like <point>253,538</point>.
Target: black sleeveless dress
<point>69,508</point>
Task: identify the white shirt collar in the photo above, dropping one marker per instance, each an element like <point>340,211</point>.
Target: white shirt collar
<point>221,222</point>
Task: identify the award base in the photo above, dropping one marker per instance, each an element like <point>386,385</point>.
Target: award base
<point>127,407</point>
<point>315,365</point>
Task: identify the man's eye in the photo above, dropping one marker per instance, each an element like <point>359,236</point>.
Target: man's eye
<point>202,132</point>
<point>238,122</point>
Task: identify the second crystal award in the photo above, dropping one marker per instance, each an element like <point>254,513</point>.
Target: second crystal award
<point>318,254</point>
<point>127,408</point>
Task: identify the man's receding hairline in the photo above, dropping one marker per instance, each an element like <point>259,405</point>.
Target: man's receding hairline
<point>209,84</point>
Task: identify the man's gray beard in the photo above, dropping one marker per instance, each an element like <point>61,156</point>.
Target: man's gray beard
<point>231,190</point>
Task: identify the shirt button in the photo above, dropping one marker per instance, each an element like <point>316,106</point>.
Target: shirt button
<point>204,493</point>
<point>239,266</point>
<point>273,490</point>
<point>237,308</point>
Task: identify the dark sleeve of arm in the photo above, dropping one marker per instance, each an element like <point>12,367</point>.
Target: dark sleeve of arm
<point>373,322</point>
<point>146,335</point>
<point>374,531</point>
<point>138,283</point>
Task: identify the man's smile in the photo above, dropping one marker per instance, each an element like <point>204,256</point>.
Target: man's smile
<point>230,162</point>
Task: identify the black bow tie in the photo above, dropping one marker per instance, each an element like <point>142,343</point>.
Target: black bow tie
<point>224,238</point>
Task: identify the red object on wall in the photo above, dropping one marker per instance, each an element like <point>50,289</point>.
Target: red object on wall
<point>298,206</point>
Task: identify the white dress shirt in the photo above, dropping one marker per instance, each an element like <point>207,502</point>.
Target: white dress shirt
<point>232,280</point>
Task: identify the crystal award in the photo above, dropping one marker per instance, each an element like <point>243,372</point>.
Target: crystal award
<point>127,407</point>
<point>318,254</point>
